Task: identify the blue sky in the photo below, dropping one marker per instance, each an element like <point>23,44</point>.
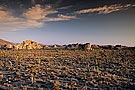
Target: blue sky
<point>64,23</point>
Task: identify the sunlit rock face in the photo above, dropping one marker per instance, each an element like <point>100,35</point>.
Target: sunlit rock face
<point>94,46</point>
<point>28,44</point>
<point>87,46</point>
<point>54,46</point>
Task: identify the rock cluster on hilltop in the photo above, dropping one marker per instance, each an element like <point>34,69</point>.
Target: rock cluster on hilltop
<point>86,46</point>
<point>28,44</point>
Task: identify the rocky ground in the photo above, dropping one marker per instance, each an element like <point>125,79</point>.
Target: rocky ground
<point>67,69</point>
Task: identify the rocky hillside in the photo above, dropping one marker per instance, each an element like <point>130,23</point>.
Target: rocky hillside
<point>4,42</point>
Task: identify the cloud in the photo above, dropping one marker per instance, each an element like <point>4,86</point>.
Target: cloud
<point>106,9</point>
<point>33,17</point>
<point>18,25</point>
<point>37,13</point>
<point>60,17</point>
<point>66,7</point>
<point>8,22</point>
<point>37,16</point>
<point>5,16</point>
<point>40,14</point>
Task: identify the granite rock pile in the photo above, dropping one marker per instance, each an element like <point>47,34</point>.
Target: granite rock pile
<point>28,44</point>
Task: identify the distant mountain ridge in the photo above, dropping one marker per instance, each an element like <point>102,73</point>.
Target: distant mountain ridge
<point>3,42</point>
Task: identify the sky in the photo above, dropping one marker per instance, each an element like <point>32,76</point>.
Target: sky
<point>61,22</point>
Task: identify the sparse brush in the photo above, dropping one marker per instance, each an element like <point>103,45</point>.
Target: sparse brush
<point>1,76</point>
<point>32,78</point>
<point>56,70</point>
<point>98,67</point>
<point>98,71</point>
<point>84,75</point>
<point>10,63</point>
<point>1,63</point>
<point>38,61</point>
<point>88,67</point>
<point>56,85</point>
<point>72,84</point>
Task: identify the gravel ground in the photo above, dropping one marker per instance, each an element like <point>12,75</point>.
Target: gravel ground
<point>67,69</point>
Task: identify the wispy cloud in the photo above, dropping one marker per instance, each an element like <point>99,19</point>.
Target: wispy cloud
<point>8,22</point>
<point>32,17</point>
<point>60,17</point>
<point>38,15</point>
<point>19,25</point>
<point>66,7</point>
<point>106,9</point>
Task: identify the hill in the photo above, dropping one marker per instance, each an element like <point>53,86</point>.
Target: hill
<point>3,42</point>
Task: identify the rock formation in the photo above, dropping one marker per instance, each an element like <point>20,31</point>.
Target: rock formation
<point>107,47</point>
<point>87,46</point>
<point>118,47</point>
<point>45,46</point>
<point>55,46</point>
<point>94,46</point>
<point>28,44</point>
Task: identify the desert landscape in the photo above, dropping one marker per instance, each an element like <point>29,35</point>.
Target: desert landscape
<point>68,67</point>
<point>67,44</point>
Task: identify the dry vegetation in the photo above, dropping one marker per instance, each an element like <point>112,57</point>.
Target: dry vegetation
<point>67,69</point>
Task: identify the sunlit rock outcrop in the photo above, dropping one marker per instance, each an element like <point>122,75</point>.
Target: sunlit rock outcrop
<point>28,44</point>
<point>94,46</point>
<point>86,46</point>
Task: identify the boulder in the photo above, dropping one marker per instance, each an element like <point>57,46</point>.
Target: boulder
<point>86,46</point>
<point>94,46</point>
<point>55,46</point>
<point>45,46</point>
